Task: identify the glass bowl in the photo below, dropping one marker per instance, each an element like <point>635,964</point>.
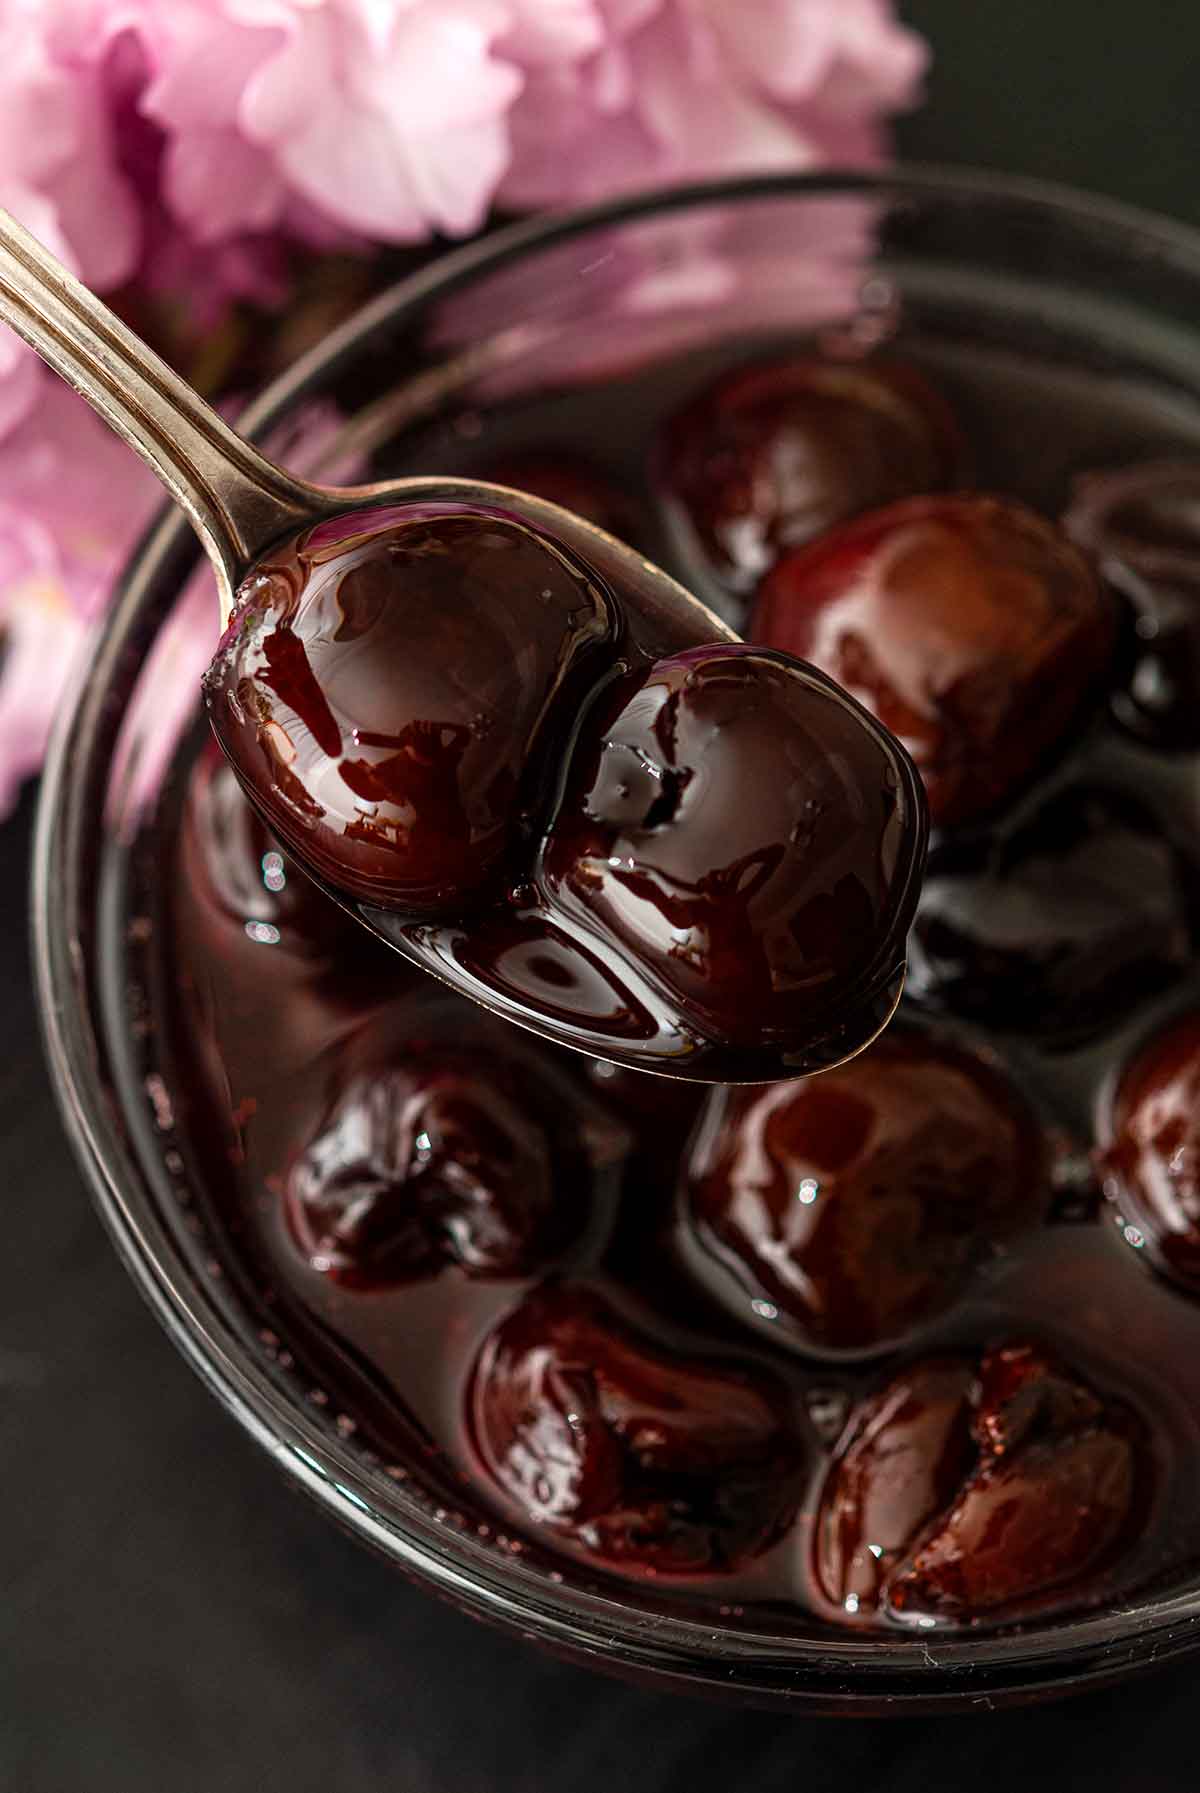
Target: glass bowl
<point>977,263</point>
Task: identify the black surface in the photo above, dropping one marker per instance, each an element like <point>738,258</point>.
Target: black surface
<point>173,1618</point>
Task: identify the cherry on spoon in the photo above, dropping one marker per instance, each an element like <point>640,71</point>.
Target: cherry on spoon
<point>518,752</point>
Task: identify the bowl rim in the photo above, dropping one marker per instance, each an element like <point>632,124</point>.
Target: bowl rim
<point>862,1672</point>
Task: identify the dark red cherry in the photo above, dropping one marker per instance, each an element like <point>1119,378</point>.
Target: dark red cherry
<point>750,838</point>
<point>1058,926</point>
<point>900,1464</point>
<point>387,693</point>
<point>770,456</point>
<point>1054,1495</point>
<point>567,480</point>
<point>840,1210</point>
<point>439,1160</point>
<point>643,1458</point>
<point>1151,1164</point>
<point>969,625</point>
<point>961,1491</point>
<point>249,875</point>
<point>1142,524</point>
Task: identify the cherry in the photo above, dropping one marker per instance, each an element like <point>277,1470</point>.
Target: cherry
<point>1151,1165</point>
<point>1058,925</point>
<point>642,1458</point>
<point>750,838</point>
<point>771,455</point>
<point>961,1491</point>
<point>392,695</point>
<point>1143,526</point>
<point>970,626</point>
<point>437,1161</point>
<point>840,1210</point>
<point>900,1464</point>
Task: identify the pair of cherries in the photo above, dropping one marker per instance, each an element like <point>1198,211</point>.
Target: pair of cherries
<point>457,722</point>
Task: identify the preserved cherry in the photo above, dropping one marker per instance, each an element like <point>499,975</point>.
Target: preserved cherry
<point>970,626</point>
<point>962,1491</point>
<point>1152,1162</point>
<point>772,455</point>
<point>443,1160</point>
<point>838,1211</point>
<point>751,840</point>
<point>643,1458</point>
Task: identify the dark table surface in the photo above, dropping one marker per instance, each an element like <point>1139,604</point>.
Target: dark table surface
<point>173,1618</point>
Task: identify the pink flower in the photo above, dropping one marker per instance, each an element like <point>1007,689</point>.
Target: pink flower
<point>73,501</point>
<point>681,89</point>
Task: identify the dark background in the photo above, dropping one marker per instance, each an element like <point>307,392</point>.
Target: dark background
<point>173,1618</point>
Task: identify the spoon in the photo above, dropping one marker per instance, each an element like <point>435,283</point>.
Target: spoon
<point>567,645</point>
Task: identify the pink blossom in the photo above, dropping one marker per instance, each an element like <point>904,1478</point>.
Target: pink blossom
<point>74,501</point>
<point>680,89</point>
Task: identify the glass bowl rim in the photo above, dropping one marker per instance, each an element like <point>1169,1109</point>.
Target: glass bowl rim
<point>862,1671</point>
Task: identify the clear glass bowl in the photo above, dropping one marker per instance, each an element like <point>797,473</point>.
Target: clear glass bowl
<point>974,261</point>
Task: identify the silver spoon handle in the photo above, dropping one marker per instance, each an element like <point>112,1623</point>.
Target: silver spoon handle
<point>237,500</point>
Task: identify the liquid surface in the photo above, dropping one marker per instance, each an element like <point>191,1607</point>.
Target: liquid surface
<point>838,1353</point>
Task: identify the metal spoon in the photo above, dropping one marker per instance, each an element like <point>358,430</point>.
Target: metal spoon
<point>242,505</point>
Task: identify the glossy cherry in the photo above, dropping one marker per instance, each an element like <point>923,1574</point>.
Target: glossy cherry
<point>750,839</point>
<point>969,625</point>
<point>1059,925</point>
<point>390,695</point>
<point>1151,1164</point>
<point>838,1211</point>
<point>643,1458</point>
<point>771,455</point>
<point>1142,525</point>
<point>962,1491</point>
<point>441,1160</point>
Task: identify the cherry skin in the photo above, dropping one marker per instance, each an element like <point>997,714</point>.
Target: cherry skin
<point>388,694</point>
<point>1151,1165</point>
<point>435,1161</point>
<point>969,625</point>
<point>961,1491</point>
<point>772,455</point>
<point>839,1211</point>
<point>641,1458</point>
<point>749,837</point>
<point>1142,525</point>
<point>1059,925</point>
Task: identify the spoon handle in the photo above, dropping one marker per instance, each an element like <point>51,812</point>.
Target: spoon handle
<point>237,500</point>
